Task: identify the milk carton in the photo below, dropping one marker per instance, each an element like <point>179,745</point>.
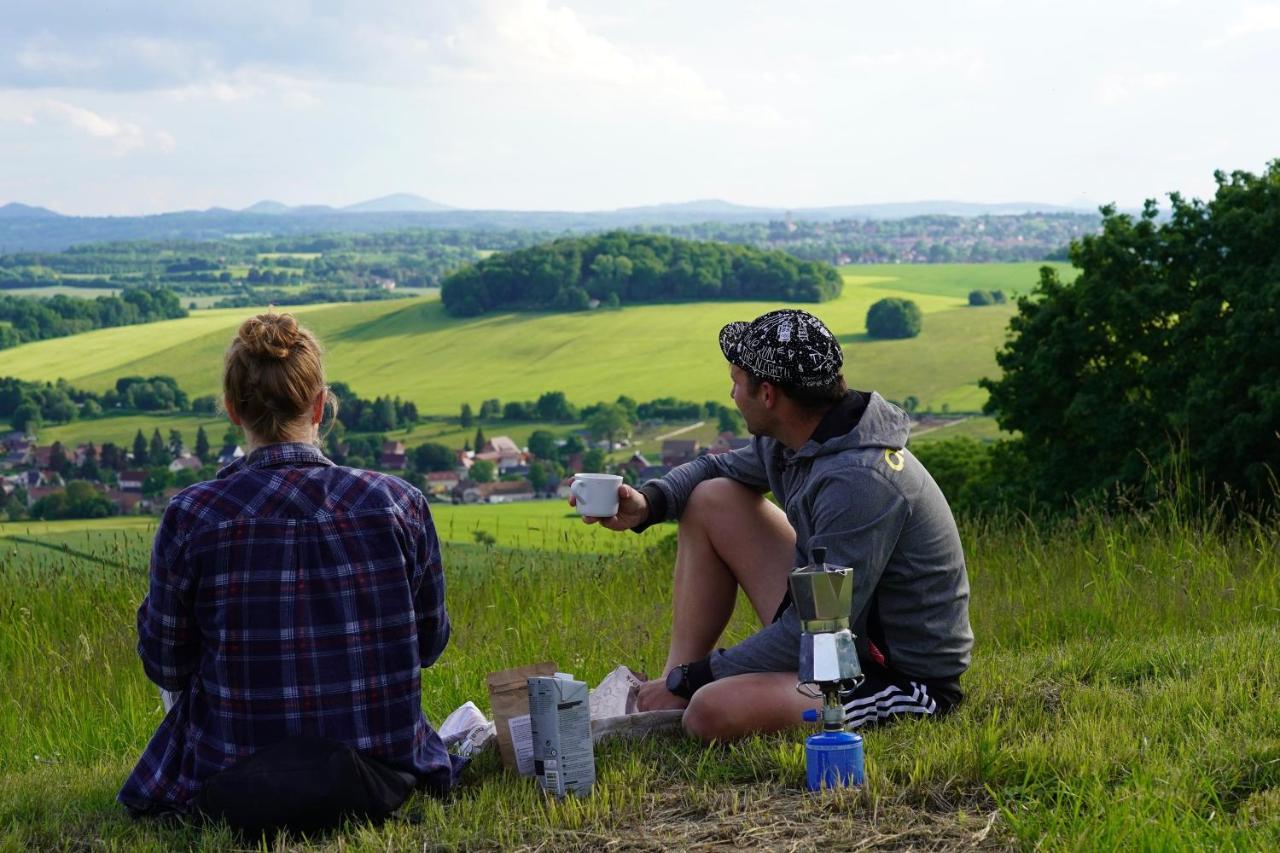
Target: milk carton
<point>560,718</point>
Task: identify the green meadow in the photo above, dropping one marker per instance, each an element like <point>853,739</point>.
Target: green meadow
<point>550,525</point>
<point>411,348</point>
<point>1123,695</point>
<point>121,429</point>
<point>60,290</point>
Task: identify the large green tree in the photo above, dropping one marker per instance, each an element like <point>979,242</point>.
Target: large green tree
<point>609,421</point>
<point>432,457</point>
<point>1163,350</point>
<point>542,444</point>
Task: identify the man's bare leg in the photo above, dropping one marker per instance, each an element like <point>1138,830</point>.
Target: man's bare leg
<point>730,537</point>
<point>741,705</point>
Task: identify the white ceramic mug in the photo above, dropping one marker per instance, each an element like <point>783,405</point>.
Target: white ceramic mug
<point>596,495</point>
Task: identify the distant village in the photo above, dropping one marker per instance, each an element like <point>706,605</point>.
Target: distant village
<point>52,481</point>
<point>513,465</point>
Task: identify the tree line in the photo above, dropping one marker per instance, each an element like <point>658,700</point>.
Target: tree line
<point>23,319</point>
<point>30,405</point>
<point>1153,376</point>
<point>575,273</point>
<point>554,406</point>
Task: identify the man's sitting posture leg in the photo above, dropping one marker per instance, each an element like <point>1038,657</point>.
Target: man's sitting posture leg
<point>730,537</point>
<point>741,705</point>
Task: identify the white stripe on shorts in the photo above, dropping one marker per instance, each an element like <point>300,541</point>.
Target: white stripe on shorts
<point>888,702</point>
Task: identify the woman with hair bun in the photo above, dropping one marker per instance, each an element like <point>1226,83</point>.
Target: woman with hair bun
<point>293,604</point>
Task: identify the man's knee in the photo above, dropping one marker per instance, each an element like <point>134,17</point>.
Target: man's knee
<point>717,495</point>
<point>706,718</point>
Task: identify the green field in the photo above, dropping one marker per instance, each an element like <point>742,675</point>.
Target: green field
<point>450,434</point>
<point>121,429</point>
<point>411,348</point>
<point>545,525</point>
<point>979,428</point>
<point>1123,695</point>
<point>60,290</point>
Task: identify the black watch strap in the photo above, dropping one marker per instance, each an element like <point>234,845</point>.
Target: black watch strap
<point>689,678</point>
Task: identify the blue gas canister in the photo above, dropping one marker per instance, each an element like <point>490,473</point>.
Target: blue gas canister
<point>833,760</point>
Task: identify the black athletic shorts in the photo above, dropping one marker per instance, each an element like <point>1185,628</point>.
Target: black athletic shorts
<point>886,694</point>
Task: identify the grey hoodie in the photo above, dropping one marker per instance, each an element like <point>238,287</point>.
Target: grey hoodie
<point>874,507</point>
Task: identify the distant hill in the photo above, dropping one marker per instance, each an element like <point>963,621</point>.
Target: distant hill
<point>711,206</point>
<point>397,203</point>
<point>25,228</point>
<point>13,210</point>
<point>264,207</point>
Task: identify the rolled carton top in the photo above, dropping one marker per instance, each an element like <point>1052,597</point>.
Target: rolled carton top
<point>508,698</point>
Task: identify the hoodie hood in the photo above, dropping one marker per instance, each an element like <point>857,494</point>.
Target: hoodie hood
<point>881,425</point>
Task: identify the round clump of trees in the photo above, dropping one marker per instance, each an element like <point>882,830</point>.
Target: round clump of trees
<point>978,298</point>
<point>894,318</point>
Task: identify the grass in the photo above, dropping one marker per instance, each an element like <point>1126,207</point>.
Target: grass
<point>60,290</point>
<point>976,427</point>
<point>1122,695</point>
<point>544,525</point>
<point>953,280</point>
<point>121,429</point>
<point>450,434</point>
<point>413,349</point>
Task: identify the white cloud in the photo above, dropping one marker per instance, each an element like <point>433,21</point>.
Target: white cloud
<point>42,57</point>
<point>245,85</point>
<point>968,65</point>
<point>533,44</point>
<point>120,136</point>
<point>1120,88</point>
<point>1251,21</point>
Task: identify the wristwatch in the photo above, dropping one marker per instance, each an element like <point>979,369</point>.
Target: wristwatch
<point>688,678</point>
<point>678,681</point>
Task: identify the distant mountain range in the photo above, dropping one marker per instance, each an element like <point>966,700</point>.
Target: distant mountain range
<point>24,227</point>
<point>395,203</point>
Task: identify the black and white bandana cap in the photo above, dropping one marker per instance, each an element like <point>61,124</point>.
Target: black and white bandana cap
<point>787,346</point>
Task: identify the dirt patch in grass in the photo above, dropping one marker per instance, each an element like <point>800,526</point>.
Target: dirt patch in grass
<point>764,817</point>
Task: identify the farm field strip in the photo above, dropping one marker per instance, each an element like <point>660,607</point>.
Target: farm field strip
<point>122,429</point>
<point>550,525</point>
<point>59,290</point>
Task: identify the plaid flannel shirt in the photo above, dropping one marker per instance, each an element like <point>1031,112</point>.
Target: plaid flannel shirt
<point>290,596</point>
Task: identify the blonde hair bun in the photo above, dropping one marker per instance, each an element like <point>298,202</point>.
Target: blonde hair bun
<point>269,335</point>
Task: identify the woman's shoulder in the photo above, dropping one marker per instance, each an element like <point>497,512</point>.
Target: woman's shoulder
<point>388,487</point>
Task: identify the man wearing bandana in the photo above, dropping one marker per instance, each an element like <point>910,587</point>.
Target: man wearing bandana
<point>842,478</point>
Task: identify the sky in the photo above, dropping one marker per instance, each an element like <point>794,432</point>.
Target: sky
<point>134,107</point>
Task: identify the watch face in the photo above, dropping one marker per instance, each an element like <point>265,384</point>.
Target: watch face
<point>675,678</point>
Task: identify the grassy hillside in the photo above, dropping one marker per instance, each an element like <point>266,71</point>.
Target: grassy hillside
<point>1122,696</point>
<point>413,349</point>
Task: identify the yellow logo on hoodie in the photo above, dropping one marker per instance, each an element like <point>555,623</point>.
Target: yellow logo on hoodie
<point>895,459</point>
